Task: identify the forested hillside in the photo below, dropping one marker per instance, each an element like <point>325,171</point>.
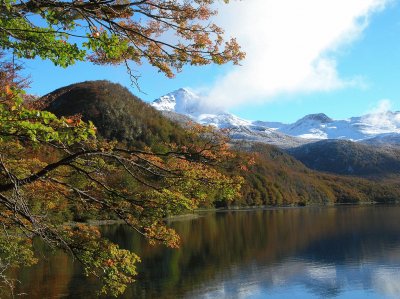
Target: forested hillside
<point>350,158</point>
<point>116,112</point>
<point>277,178</point>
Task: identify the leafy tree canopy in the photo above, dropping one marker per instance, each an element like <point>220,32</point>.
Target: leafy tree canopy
<point>167,34</point>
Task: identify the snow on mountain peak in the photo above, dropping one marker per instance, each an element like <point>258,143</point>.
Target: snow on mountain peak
<point>311,127</point>
<point>183,101</point>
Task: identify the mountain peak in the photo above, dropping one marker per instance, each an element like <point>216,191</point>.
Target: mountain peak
<point>181,101</point>
<point>183,90</point>
<point>184,101</point>
<point>319,117</point>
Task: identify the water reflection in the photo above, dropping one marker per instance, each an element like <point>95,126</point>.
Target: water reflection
<point>351,252</point>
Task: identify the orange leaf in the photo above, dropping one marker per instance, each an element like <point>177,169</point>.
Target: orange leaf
<point>8,90</point>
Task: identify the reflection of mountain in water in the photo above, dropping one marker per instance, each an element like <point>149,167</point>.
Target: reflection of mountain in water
<point>316,251</point>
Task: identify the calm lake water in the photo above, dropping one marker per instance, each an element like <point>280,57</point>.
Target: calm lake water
<point>333,252</point>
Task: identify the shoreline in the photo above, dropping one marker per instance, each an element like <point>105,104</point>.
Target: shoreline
<point>197,213</point>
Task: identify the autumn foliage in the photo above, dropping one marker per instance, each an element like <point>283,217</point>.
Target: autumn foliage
<point>166,34</point>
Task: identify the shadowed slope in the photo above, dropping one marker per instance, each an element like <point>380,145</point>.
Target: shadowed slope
<point>115,111</point>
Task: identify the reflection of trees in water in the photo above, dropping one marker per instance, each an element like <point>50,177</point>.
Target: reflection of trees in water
<point>50,278</point>
<point>219,245</point>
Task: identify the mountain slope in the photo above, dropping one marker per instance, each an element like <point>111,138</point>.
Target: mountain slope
<point>277,178</point>
<point>384,140</point>
<point>346,157</point>
<point>115,111</point>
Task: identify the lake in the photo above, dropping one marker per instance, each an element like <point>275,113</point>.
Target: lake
<point>313,252</point>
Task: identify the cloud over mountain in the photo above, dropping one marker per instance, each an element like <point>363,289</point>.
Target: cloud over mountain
<point>291,46</point>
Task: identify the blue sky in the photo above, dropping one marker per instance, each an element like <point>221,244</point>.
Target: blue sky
<point>341,58</point>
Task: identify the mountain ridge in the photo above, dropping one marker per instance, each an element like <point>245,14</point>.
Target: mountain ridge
<point>348,158</point>
<point>368,128</point>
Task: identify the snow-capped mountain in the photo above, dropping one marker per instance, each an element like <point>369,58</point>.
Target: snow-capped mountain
<point>186,102</point>
<point>320,126</point>
<point>379,128</point>
<point>181,101</point>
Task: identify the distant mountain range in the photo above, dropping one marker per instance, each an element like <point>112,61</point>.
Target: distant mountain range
<point>374,129</point>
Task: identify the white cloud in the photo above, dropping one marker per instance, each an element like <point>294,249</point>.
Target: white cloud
<point>383,106</point>
<point>381,118</point>
<point>290,46</point>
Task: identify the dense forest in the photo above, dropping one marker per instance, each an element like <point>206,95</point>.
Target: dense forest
<point>349,158</point>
